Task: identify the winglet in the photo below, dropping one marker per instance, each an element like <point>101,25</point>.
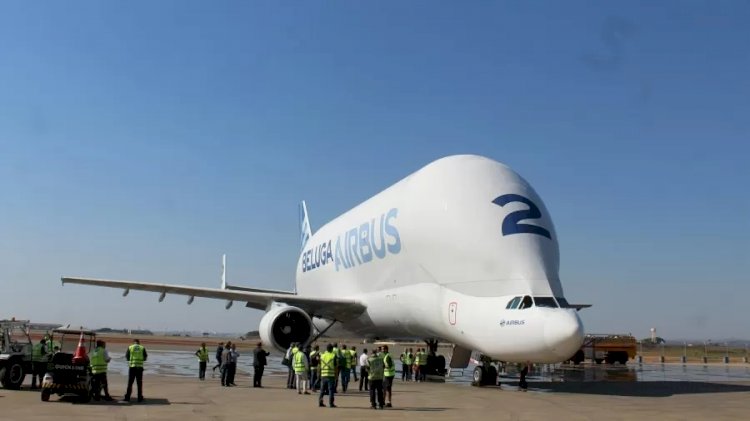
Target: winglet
<point>223,271</point>
<point>304,225</point>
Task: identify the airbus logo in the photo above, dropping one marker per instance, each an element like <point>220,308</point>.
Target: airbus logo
<point>504,322</point>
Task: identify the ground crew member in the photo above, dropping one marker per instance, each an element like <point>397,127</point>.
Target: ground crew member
<point>300,371</point>
<point>404,365</point>
<point>315,368</point>
<point>346,368</point>
<point>389,373</point>
<point>136,356</point>
<point>289,357</point>
<point>363,371</point>
<point>202,354</point>
<point>339,363</point>
<point>99,361</point>
<point>354,361</point>
<point>328,363</point>
<point>422,355</point>
<point>38,362</point>
<point>375,376</point>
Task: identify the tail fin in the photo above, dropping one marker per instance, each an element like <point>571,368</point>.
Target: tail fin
<point>304,225</point>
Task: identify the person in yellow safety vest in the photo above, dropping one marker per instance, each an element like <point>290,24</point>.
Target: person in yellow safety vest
<point>354,364</point>
<point>328,365</point>
<point>202,354</point>
<point>405,365</point>
<point>346,368</point>
<point>301,365</point>
<point>290,356</point>
<point>136,356</point>
<point>389,373</point>
<point>38,362</point>
<point>99,361</point>
<point>375,377</point>
<point>418,365</point>
<point>423,366</point>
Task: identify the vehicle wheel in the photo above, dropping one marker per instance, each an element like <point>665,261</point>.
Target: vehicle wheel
<point>12,375</point>
<point>85,397</point>
<point>477,378</point>
<point>45,395</point>
<point>491,376</point>
<point>578,357</point>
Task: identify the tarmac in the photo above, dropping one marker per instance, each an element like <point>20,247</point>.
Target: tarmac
<point>170,397</point>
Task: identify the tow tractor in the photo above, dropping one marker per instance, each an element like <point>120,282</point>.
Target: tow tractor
<point>15,352</point>
<point>68,371</point>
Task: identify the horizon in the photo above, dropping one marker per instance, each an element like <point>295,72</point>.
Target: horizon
<point>143,141</point>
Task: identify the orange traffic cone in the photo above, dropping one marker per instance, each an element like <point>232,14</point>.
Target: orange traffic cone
<point>80,355</point>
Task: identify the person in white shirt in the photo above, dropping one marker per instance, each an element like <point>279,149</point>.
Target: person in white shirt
<point>363,364</point>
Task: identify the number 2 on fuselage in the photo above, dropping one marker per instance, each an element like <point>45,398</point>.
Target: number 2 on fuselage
<point>511,223</point>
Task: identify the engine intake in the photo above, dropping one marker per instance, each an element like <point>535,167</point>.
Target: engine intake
<point>283,325</point>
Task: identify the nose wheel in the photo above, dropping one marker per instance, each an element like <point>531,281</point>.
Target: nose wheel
<point>484,375</point>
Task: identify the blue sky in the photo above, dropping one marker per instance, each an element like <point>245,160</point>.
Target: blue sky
<point>142,140</point>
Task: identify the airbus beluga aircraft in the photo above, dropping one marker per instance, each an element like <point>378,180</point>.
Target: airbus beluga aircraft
<point>463,250</point>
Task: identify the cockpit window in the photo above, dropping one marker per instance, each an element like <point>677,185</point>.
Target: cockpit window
<point>563,302</point>
<point>545,302</point>
<point>526,302</point>
<point>512,304</point>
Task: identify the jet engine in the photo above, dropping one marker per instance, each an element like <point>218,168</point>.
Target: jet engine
<point>283,325</point>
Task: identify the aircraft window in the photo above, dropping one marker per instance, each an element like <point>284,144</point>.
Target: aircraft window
<point>563,302</point>
<point>512,304</point>
<point>545,302</point>
<point>526,302</point>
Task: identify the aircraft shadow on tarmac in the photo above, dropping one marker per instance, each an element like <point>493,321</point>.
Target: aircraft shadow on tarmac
<point>641,389</point>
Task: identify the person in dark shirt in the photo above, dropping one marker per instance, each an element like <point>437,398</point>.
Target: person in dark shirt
<point>259,362</point>
<point>219,351</point>
<point>522,385</point>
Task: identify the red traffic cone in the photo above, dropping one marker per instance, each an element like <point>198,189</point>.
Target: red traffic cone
<point>80,355</point>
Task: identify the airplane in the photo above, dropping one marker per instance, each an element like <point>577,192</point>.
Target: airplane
<point>462,250</point>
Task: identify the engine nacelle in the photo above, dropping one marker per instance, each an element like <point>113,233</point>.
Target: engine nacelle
<point>283,325</point>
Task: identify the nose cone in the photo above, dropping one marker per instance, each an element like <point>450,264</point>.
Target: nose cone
<point>563,333</point>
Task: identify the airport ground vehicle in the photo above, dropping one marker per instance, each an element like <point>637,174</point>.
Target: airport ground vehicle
<point>609,348</point>
<point>66,375</point>
<point>15,352</point>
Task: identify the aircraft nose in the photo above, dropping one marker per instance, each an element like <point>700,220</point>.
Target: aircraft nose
<point>563,333</point>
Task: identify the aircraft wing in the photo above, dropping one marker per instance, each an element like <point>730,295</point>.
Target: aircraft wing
<point>329,308</point>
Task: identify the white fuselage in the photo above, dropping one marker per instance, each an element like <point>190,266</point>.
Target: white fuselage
<point>440,254</point>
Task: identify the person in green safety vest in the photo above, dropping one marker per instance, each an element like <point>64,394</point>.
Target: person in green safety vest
<point>38,362</point>
<point>99,361</point>
<point>389,373</point>
<point>346,367</point>
<point>423,366</point>
<point>405,365</point>
<point>202,354</point>
<point>301,365</point>
<point>136,356</point>
<point>375,377</point>
<point>328,363</point>
<point>353,352</point>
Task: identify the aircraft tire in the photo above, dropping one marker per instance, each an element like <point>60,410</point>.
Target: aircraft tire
<point>478,376</point>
